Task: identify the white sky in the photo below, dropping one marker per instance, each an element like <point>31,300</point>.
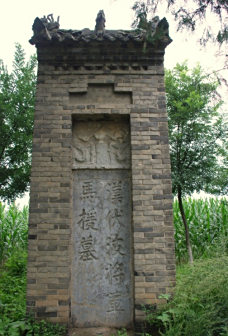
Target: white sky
<point>17,16</point>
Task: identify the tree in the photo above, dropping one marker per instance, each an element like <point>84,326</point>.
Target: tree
<point>220,180</point>
<point>196,133</point>
<point>17,93</point>
<point>189,14</point>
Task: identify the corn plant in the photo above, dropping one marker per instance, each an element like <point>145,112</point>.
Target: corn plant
<point>208,226</point>
<point>13,230</point>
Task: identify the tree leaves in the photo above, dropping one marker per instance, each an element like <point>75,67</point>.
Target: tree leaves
<point>189,14</point>
<point>196,129</point>
<point>17,94</point>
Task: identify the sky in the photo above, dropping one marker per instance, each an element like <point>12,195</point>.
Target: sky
<point>17,17</point>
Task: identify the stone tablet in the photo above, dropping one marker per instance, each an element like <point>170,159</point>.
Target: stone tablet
<point>102,270</point>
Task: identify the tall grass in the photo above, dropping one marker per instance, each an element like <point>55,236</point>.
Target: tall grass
<point>13,257</point>
<point>200,303</point>
<point>13,230</point>
<point>13,319</point>
<point>208,226</point>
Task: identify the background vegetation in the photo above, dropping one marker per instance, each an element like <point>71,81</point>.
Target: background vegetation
<point>197,136</point>
<point>200,304</point>
<point>208,226</point>
<point>13,260</point>
<point>17,95</point>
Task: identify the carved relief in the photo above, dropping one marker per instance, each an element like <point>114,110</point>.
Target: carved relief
<point>101,145</point>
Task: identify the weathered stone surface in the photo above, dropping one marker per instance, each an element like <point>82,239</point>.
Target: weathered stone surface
<point>101,94</point>
<point>97,332</point>
<point>100,22</point>
<point>102,286</point>
<point>101,144</point>
<point>159,30</point>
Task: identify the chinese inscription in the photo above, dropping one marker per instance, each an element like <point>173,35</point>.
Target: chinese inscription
<point>102,288</point>
<point>115,245</point>
<point>115,303</point>
<point>87,251</point>
<point>116,191</point>
<point>87,219</point>
<point>88,191</point>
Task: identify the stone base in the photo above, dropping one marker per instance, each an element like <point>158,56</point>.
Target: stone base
<point>96,332</point>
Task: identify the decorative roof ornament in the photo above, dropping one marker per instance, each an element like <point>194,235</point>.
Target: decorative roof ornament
<point>46,30</point>
<point>100,23</point>
<point>45,25</point>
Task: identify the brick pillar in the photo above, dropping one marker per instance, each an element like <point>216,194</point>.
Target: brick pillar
<point>72,64</point>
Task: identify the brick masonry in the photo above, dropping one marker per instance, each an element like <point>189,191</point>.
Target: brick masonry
<point>66,70</point>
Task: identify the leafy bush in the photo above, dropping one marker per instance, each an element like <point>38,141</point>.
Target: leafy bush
<point>13,257</point>
<point>208,226</point>
<point>13,230</point>
<point>45,328</point>
<point>13,321</point>
<point>200,304</point>
<point>12,287</point>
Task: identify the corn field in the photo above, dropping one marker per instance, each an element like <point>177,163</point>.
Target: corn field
<point>207,220</point>
<point>13,230</point>
<point>208,226</point>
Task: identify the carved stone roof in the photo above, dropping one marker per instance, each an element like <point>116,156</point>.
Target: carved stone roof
<point>49,33</point>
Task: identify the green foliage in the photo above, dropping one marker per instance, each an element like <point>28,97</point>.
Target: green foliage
<point>122,332</point>
<point>200,303</point>
<point>13,230</point>
<point>191,15</point>
<point>13,321</point>
<point>220,180</point>
<point>197,131</point>
<point>153,31</point>
<point>13,257</point>
<point>141,11</point>
<point>30,328</point>
<point>45,328</point>
<point>17,94</point>
<point>197,135</point>
<point>12,287</point>
<point>208,227</point>
<point>12,295</point>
